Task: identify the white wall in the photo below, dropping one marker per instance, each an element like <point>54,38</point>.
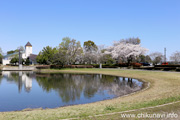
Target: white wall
<point>5,61</point>
<point>24,56</point>
<point>28,51</point>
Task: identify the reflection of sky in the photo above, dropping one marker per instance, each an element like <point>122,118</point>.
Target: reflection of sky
<point>36,97</point>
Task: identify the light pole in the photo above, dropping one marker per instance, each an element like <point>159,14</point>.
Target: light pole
<point>20,62</point>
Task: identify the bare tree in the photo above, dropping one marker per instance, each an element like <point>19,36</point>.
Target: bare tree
<point>135,41</point>
<point>175,57</point>
<point>156,57</point>
<point>72,48</point>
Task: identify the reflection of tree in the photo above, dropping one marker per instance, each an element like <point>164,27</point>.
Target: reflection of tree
<point>70,87</point>
<point>0,77</point>
<point>11,77</point>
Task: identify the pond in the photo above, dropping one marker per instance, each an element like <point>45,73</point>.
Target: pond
<point>21,90</point>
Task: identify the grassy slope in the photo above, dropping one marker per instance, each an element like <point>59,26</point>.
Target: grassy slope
<point>167,109</point>
<point>164,88</point>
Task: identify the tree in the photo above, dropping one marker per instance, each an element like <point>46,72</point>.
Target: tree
<point>14,60</point>
<point>156,57</point>
<point>90,46</point>
<point>108,59</point>
<point>21,48</point>
<point>135,41</point>
<point>175,57</point>
<point>90,52</point>
<point>1,51</point>
<point>100,55</point>
<point>10,52</point>
<point>27,62</point>
<point>23,61</point>
<point>142,58</point>
<point>60,58</point>
<point>17,50</point>
<point>1,56</point>
<point>46,55</point>
<point>72,48</point>
<point>39,58</point>
<point>125,51</point>
<point>148,59</point>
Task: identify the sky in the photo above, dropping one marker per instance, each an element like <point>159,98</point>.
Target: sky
<point>45,22</point>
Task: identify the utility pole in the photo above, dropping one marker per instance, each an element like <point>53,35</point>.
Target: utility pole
<point>164,55</point>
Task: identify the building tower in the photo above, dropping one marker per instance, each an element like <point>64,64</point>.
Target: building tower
<point>28,50</point>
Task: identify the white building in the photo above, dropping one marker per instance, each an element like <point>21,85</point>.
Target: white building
<point>28,51</point>
<point>26,54</point>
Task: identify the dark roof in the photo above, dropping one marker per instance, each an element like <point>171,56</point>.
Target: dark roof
<point>28,44</point>
<point>32,57</point>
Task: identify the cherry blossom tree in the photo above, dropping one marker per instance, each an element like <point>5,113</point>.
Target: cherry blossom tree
<point>125,51</point>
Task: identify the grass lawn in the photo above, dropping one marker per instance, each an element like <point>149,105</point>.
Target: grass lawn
<point>164,88</point>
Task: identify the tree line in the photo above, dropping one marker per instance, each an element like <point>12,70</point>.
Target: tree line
<point>70,51</point>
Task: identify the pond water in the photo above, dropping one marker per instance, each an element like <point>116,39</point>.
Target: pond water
<point>21,90</point>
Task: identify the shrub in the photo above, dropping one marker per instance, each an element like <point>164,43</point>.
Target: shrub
<point>78,66</point>
<point>95,65</point>
<point>136,64</point>
<point>43,67</point>
<point>109,66</point>
<point>167,65</point>
<point>123,65</point>
<point>84,66</point>
<point>56,66</point>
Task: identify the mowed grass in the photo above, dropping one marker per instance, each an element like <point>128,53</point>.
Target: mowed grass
<point>164,88</point>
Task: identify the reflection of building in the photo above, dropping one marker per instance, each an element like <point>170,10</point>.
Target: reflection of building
<point>23,79</point>
<point>6,73</point>
<point>26,54</point>
<point>27,82</point>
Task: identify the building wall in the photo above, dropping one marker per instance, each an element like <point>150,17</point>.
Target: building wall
<point>5,62</point>
<point>24,56</point>
<point>28,51</point>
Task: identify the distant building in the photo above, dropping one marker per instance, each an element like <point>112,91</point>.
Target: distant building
<point>26,54</point>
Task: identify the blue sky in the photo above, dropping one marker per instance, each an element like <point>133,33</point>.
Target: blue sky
<point>46,22</point>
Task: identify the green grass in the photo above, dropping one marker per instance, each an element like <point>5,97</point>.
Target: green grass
<point>164,88</point>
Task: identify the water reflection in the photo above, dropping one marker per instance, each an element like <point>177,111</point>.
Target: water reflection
<point>19,78</point>
<point>71,88</point>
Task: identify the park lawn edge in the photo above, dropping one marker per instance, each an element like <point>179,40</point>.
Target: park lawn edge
<point>146,98</point>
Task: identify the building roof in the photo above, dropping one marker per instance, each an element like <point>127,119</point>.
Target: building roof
<point>32,57</point>
<point>10,55</point>
<point>28,44</point>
